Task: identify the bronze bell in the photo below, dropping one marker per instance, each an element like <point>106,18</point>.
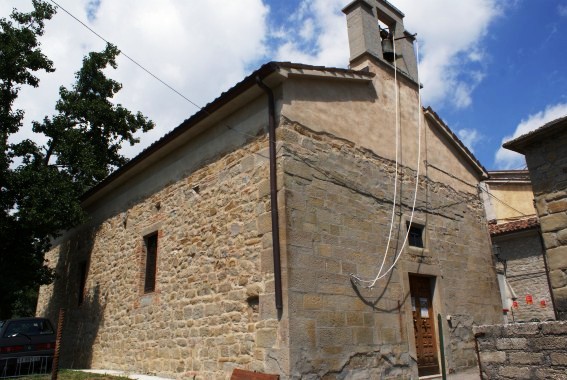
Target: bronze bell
<point>388,49</point>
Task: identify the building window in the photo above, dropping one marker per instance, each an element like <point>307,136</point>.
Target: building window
<point>82,281</point>
<point>151,242</point>
<point>415,236</point>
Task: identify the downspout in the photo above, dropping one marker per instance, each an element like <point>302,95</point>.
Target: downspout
<point>273,193</point>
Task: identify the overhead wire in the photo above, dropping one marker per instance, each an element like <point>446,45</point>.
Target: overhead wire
<point>150,73</point>
<point>128,57</point>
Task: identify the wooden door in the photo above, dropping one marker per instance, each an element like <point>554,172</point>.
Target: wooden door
<point>424,325</point>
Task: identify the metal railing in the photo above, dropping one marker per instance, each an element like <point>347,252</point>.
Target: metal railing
<point>13,367</point>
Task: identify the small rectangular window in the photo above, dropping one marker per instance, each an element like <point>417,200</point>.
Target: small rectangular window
<point>151,242</point>
<point>82,281</point>
<point>415,237</point>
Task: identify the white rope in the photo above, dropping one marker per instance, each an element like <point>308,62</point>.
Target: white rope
<point>381,275</point>
<point>397,128</point>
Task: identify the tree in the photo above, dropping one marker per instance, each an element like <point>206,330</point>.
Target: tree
<point>41,184</point>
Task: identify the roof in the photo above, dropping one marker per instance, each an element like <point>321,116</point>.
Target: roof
<point>208,110</point>
<point>456,141</point>
<point>265,73</point>
<point>515,226</point>
<point>508,176</point>
<point>520,144</point>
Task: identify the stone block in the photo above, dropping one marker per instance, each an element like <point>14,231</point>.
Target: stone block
<point>515,372</point>
<point>560,295</point>
<point>548,343</point>
<point>557,206</point>
<point>550,240</point>
<point>558,278</point>
<point>547,373</point>
<point>363,335</point>
<point>512,330</point>
<point>553,222</point>
<point>314,301</point>
<point>562,236</point>
<point>559,358</point>
<point>354,319</point>
<point>334,336</point>
<point>511,343</point>
<point>557,258</point>
<point>304,332</point>
<point>525,358</point>
<point>266,338</point>
<point>264,223</point>
<point>554,328</point>
<point>493,357</point>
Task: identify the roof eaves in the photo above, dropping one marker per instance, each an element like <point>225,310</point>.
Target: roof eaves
<point>209,109</point>
<point>458,143</point>
<point>520,143</point>
<point>515,226</point>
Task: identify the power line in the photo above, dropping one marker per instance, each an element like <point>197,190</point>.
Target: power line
<point>128,57</point>
<point>148,71</point>
<point>501,201</point>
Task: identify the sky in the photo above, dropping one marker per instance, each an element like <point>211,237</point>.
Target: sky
<point>492,69</point>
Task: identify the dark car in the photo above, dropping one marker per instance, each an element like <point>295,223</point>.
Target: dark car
<point>27,346</point>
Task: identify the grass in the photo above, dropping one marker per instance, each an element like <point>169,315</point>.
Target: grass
<point>66,374</point>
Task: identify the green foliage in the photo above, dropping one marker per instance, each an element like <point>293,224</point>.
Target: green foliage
<point>40,185</point>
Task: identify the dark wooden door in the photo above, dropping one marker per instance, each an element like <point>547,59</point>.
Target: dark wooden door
<point>424,325</point>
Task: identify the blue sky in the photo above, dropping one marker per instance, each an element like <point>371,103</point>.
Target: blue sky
<point>492,69</point>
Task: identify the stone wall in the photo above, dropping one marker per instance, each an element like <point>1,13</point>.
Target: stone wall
<point>338,209</point>
<point>547,162</point>
<point>525,272</point>
<point>523,351</point>
<point>212,309</point>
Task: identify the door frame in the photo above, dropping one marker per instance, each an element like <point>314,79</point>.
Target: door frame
<point>420,270</point>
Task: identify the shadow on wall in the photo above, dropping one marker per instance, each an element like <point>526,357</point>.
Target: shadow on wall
<point>84,306</point>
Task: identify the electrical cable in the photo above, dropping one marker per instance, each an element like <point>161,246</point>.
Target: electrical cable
<point>128,57</point>
<point>152,74</point>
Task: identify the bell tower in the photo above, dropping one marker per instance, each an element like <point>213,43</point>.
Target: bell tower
<point>374,27</point>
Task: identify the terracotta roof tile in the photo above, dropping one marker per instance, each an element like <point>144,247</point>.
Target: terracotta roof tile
<point>515,226</point>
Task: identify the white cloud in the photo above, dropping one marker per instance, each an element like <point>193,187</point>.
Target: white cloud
<point>322,31</point>
<point>448,44</point>
<point>469,137</point>
<point>200,48</point>
<point>562,9</point>
<point>506,159</point>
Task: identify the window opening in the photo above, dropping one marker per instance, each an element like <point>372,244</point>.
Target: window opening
<point>151,242</point>
<point>82,281</point>
<point>415,236</point>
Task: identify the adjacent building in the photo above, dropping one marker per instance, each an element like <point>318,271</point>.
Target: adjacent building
<point>517,246</point>
<point>249,236</point>
<point>546,156</point>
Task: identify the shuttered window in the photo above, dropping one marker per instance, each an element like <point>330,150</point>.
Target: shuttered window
<point>151,242</point>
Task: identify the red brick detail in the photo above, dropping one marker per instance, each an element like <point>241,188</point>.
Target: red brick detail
<point>240,374</point>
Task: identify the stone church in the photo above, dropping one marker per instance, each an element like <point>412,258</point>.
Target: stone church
<point>310,222</point>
